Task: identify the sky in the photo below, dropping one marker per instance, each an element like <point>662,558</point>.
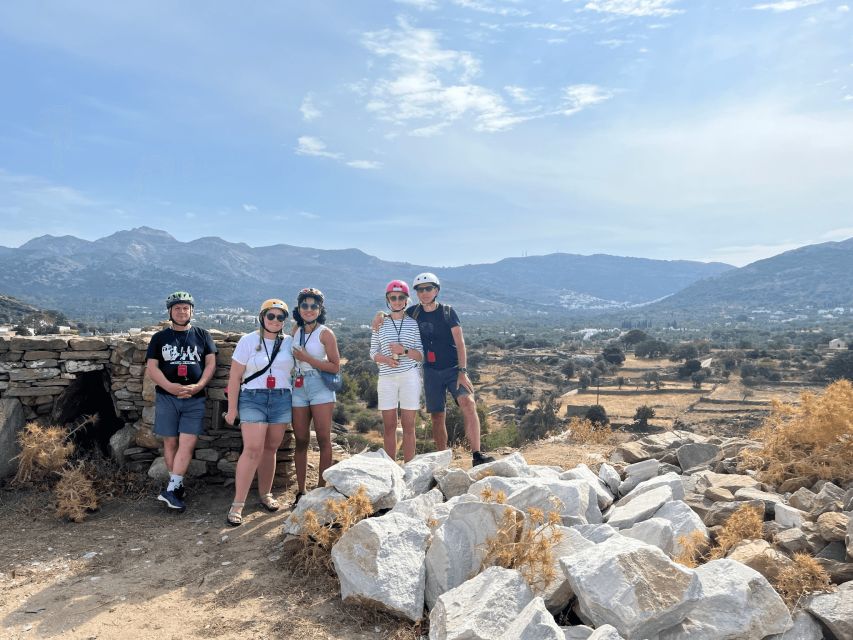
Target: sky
<point>438,132</point>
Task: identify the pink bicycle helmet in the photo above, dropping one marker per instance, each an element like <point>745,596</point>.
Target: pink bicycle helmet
<point>397,285</point>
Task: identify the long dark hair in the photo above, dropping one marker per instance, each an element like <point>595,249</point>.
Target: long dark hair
<point>316,297</point>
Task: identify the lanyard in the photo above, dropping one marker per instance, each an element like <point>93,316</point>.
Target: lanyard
<point>264,342</point>
<point>303,342</point>
<point>400,330</point>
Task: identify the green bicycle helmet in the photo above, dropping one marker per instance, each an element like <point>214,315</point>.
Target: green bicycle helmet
<point>179,297</point>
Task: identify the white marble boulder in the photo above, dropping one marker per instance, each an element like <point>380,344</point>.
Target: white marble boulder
<point>419,472</point>
<point>452,482</point>
<point>457,549</point>
<point>640,508</point>
<point>738,603</point>
<point>835,610</point>
<point>381,562</point>
<point>315,501</point>
<point>421,506</point>
<point>481,608</point>
<point>631,585</point>
<point>684,522</point>
<point>654,531</point>
<point>512,466</point>
<point>605,632</point>
<point>805,628</point>
<point>558,593</point>
<point>602,490</point>
<point>533,623</point>
<point>381,477</point>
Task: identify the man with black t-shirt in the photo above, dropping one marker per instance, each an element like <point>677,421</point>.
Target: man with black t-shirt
<point>181,360</point>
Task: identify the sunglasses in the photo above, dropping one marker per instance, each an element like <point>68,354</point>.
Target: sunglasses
<point>398,298</point>
<point>425,289</point>
<point>276,316</point>
<point>305,306</point>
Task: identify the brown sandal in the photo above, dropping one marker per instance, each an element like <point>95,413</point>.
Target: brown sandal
<point>269,503</point>
<point>235,514</point>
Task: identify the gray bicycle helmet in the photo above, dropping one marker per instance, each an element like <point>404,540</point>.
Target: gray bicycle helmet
<point>179,297</point>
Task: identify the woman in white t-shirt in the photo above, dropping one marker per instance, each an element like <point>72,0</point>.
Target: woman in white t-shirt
<point>259,392</point>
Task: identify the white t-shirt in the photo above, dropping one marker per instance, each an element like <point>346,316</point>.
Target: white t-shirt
<point>247,353</point>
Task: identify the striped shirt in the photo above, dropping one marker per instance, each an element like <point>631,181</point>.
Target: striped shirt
<point>404,331</point>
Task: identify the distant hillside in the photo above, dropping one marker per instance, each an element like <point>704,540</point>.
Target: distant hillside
<point>813,277</point>
<point>13,312</point>
<point>139,267</point>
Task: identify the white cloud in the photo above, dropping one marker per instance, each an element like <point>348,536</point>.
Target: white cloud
<point>843,8</point>
<point>364,164</point>
<point>785,5</point>
<point>580,96</point>
<point>420,4</point>
<point>309,109</point>
<point>310,146</point>
<point>519,94</point>
<point>307,214</point>
<point>848,97</point>
<point>634,8</point>
<point>838,234</point>
<point>492,8</point>
<point>249,208</point>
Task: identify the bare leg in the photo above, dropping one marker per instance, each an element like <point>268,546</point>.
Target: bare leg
<point>266,468</point>
<point>389,432</point>
<point>322,414</point>
<point>407,418</point>
<point>302,437</point>
<point>186,446</point>
<point>439,431</point>
<point>170,449</point>
<point>254,435</point>
<point>471,420</point>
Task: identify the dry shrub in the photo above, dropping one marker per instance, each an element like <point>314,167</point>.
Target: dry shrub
<point>801,578</point>
<point>526,547</point>
<point>585,431</point>
<point>317,539</point>
<point>814,439</point>
<point>746,523</point>
<point>44,450</point>
<point>75,494</point>
<point>693,547</point>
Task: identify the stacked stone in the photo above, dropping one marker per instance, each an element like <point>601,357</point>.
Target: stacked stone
<point>38,370</point>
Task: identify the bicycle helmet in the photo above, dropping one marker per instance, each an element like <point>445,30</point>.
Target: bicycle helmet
<point>397,285</point>
<point>426,278</point>
<point>273,303</point>
<point>310,292</point>
<point>179,297</point>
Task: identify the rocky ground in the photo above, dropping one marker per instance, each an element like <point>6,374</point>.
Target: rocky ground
<point>135,570</point>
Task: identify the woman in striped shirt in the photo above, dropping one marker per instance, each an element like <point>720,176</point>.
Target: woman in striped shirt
<point>396,348</point>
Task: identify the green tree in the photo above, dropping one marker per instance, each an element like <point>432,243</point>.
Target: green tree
<point>651,349</point>
<point>642,416</point>
<point>597,414</point>
<point>613,354</point>
<point>634,336</point>
<point>542,420</point>
<point>839,366</point>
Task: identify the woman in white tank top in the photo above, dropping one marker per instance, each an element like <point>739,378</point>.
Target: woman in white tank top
<point>315,349</point>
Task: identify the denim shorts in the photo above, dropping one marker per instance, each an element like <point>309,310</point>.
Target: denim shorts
<point>265,406</point>
<point>437,382</point>
<point>173,416</point>
<point>312,391</point>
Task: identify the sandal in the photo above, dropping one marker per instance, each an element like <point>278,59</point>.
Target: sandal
<point>269,503</point>
<point>235,514</point>
<point>299,494</point>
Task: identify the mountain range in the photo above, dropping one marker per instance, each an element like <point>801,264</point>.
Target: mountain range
<point>138,267</point>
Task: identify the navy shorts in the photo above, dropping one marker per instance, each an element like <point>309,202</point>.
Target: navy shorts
<point>265,406</point>
<point>437,382</point>
<point>178,415</point>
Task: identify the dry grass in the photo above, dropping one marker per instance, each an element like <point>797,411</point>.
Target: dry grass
<point>693,548</point>
<point>317,539</point>
<point>585,431</point>
<point>75,494</point>
<point>44,451</point>
<point>803,577</point>
<point>813,439</point>
<point>526,547</point>
<point>747,523</point>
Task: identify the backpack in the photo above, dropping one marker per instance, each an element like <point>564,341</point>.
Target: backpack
<point>418,307</point>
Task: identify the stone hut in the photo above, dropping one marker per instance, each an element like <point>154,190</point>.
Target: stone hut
<point>60,379</point>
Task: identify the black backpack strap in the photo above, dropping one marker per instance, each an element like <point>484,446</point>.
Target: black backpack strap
<point>447,309</point>
<point>276,348</point>
<point>416,311</point>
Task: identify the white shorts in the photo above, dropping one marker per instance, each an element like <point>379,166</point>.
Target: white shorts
<point>403,389</point>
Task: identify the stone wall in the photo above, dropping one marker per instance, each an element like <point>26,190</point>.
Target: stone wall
<point>41,373</point>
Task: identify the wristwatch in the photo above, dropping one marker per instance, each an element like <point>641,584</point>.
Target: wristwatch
<point>406,351</point>
<point>463,369</point>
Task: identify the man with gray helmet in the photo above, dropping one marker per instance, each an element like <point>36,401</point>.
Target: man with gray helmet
<point>180,360</point>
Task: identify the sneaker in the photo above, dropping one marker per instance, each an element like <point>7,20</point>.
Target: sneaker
<point>180,492</point>
<point>172,501</point>
<point>480,458</point>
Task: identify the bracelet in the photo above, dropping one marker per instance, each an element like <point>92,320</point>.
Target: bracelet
<point>463,369</point>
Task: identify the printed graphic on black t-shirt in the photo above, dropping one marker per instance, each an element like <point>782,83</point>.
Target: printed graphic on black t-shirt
<point>180,354</point>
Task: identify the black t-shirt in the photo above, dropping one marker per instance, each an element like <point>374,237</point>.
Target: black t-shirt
<point>173,349</point>
<point>436,336</point>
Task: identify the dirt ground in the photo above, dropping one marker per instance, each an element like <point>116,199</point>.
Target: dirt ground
<point>136,570</point>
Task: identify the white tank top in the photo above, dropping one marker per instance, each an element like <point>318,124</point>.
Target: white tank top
<point>312,345</point>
